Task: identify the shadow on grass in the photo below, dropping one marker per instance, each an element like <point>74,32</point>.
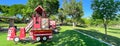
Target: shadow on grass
<point>82,26</point>
<point>110,39</point>
<point>66,25</point>
<point>71,38</point>
<point>114,29</point>
<point>114,32</point>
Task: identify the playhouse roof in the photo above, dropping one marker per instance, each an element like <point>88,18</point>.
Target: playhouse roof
<point>40,10</point>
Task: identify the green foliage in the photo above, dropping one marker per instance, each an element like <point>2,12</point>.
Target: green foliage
<point>90,22</point>
<point>73,8</point>
<point>53,17</point>
<point>4,8</point>
<point>50,6</point>
<point>16,9</point>
<point>96,22</point>
<point>61,15</point>
<point>114,23</point>
<point>26,12</point>
<point>12,10</point>
<point>85,21</point>
<point>105,10</point>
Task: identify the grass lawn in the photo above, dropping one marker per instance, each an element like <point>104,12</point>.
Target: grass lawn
<point>111,31</point>
<point>6,25</point>
<point>113,36</point>
<point>66,37</point>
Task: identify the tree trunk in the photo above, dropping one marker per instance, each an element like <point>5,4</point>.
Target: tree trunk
<point>105,27</point>
<point>73,21</point>
<point>74,24</point>
<point>11,22</point>
<point>62,21</point>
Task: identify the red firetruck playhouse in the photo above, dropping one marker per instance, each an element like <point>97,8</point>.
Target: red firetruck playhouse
<point>40,28</point>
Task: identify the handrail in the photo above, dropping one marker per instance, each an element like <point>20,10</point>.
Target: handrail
<point>29,25</point>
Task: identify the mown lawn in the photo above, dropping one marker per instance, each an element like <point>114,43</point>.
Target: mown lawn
<point>6,25</point>
<point>66,37</point>
<point>111,30</point>
<point>113,36</point>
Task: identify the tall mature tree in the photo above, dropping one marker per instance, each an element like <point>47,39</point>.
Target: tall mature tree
<point>4,9</point>
<point>61,15</point>
<point>16,9</point>
<point>73,9</point>
<point>11,10</point>
<point>26,12</point>
<point>50,6</point>
<point>105,10</point>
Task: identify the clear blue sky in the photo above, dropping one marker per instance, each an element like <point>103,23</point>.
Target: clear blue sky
<point>86,5</point>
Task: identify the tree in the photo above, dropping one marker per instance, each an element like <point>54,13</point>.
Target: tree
<point>4,9</point>
<point>53,17</point>
<point>61,15</point>
<point>85,21</point>
<point>26,13</point>
<point>96,22</point>
<point>50,6</point>
<point>105,10</point>
<point>73,9</point>
<point>11,11</point>
<point>16,9</point>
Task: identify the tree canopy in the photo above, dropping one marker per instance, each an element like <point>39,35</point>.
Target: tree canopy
<point>73,9</point>
<point>4,9</point>
<point>61,15</point>
<point>11,10</point>
<point>105,10</point>
<point>16,9</point>
<point>50,6</point>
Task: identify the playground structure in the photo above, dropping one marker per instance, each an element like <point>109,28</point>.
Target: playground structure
<point>40,28</point>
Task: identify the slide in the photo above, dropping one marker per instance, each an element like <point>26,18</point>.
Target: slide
<point>29,26</point>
